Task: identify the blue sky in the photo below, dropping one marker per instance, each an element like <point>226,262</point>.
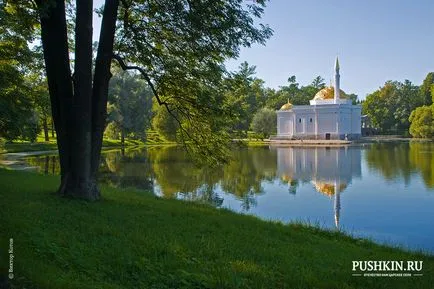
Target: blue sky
<point>376,41</point>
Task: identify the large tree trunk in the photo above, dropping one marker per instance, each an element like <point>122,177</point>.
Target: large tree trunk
<point>101,80</point>
<point>56,55</point>
<point>80,182</point>
<point>79,114</point>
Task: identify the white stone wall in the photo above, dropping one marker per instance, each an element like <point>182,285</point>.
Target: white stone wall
<point>357,120</point>
<point>315,121</point>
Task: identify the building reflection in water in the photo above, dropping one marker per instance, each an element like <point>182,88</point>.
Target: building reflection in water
<point>329,169</point>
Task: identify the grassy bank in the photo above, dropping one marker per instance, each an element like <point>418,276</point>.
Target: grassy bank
<point>153,138</point>
<point>132,239</point>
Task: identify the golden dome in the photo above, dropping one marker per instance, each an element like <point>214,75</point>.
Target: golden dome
<point>286,106</point>
<point>327,188</point>
<point>286,178</point>
<point>328,93</point>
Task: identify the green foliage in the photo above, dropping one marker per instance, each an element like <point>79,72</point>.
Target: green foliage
<point>376,106</point>
<point>38,91</point>
<point>165,124</point>
<point>183,46</point>
<point>17,117</point>
<point>318,82</point>
<point>136,240</point>
<point>427,89</point>
<point>432,92</point>
<point>2,145</point>
<point>19,95</point>
<point>129,106</point>
<point>353,98</point>
<point>17,30</point>
<point>264,122</point>
<point>389,107</point>
<point>422,122</point>
<point>112,130</point>
<point>245,95</point>
<point>11,110</point>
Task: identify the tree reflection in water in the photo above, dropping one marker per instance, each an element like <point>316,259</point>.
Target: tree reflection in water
<point>169,172</point>
<point>401,160</point>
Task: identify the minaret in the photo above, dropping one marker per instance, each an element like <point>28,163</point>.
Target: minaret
<point>337,84</point>
<point>337,205</point>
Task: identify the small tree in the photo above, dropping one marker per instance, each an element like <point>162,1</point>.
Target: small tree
<point>264,122</point>
<point>129,106</point>
<point>165,124</point>
<point>422,122</point>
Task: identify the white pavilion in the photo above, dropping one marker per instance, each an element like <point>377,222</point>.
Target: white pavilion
<point>330,115</point>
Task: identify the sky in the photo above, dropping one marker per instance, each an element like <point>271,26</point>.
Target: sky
<point>375,41</point>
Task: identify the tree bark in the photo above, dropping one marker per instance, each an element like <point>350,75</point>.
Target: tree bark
<point>79,114</point>
<point>80,183</point>
<point>101,80</point>
<point>45,128</point>
<point>56,56</point>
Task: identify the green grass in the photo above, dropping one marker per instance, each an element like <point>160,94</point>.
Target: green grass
<point>153,138</point>
<point>16,147</point>
<point>133,239</point>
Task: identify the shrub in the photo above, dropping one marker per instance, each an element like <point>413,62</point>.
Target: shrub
<point>422,122</point>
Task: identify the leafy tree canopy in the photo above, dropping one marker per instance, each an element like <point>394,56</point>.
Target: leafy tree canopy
<point>165,124</point>
<point>422,122</point>
<point>427,89</point>
<point>389,107</point>
<point>181,46</point>
<point>264,122</point>
<point>130,103</point>
<point>245,95</point>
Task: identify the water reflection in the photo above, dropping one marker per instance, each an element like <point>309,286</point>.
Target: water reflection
<point>169,173</point>
<point>400,161</point>
<point>127,169</point>
<point>330,170</point>
<point>47,164</point>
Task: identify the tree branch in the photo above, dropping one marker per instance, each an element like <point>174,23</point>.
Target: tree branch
<point>144,74</point>
<point>154,91</point>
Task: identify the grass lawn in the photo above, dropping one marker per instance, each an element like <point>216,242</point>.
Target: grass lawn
<point>133,239</point>
<point>153,138</point>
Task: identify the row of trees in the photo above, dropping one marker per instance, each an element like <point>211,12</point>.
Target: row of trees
<point>422,118</point>
<point>131,110</point>
<point>24,98</point>
<point>402,107</point>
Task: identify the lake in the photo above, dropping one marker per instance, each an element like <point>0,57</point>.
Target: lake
<point>383,191</point>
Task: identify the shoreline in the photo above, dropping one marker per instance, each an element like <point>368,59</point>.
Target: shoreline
<point>333,143</point>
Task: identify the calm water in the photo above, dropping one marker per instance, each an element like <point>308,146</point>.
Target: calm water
<point>381,191</point>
